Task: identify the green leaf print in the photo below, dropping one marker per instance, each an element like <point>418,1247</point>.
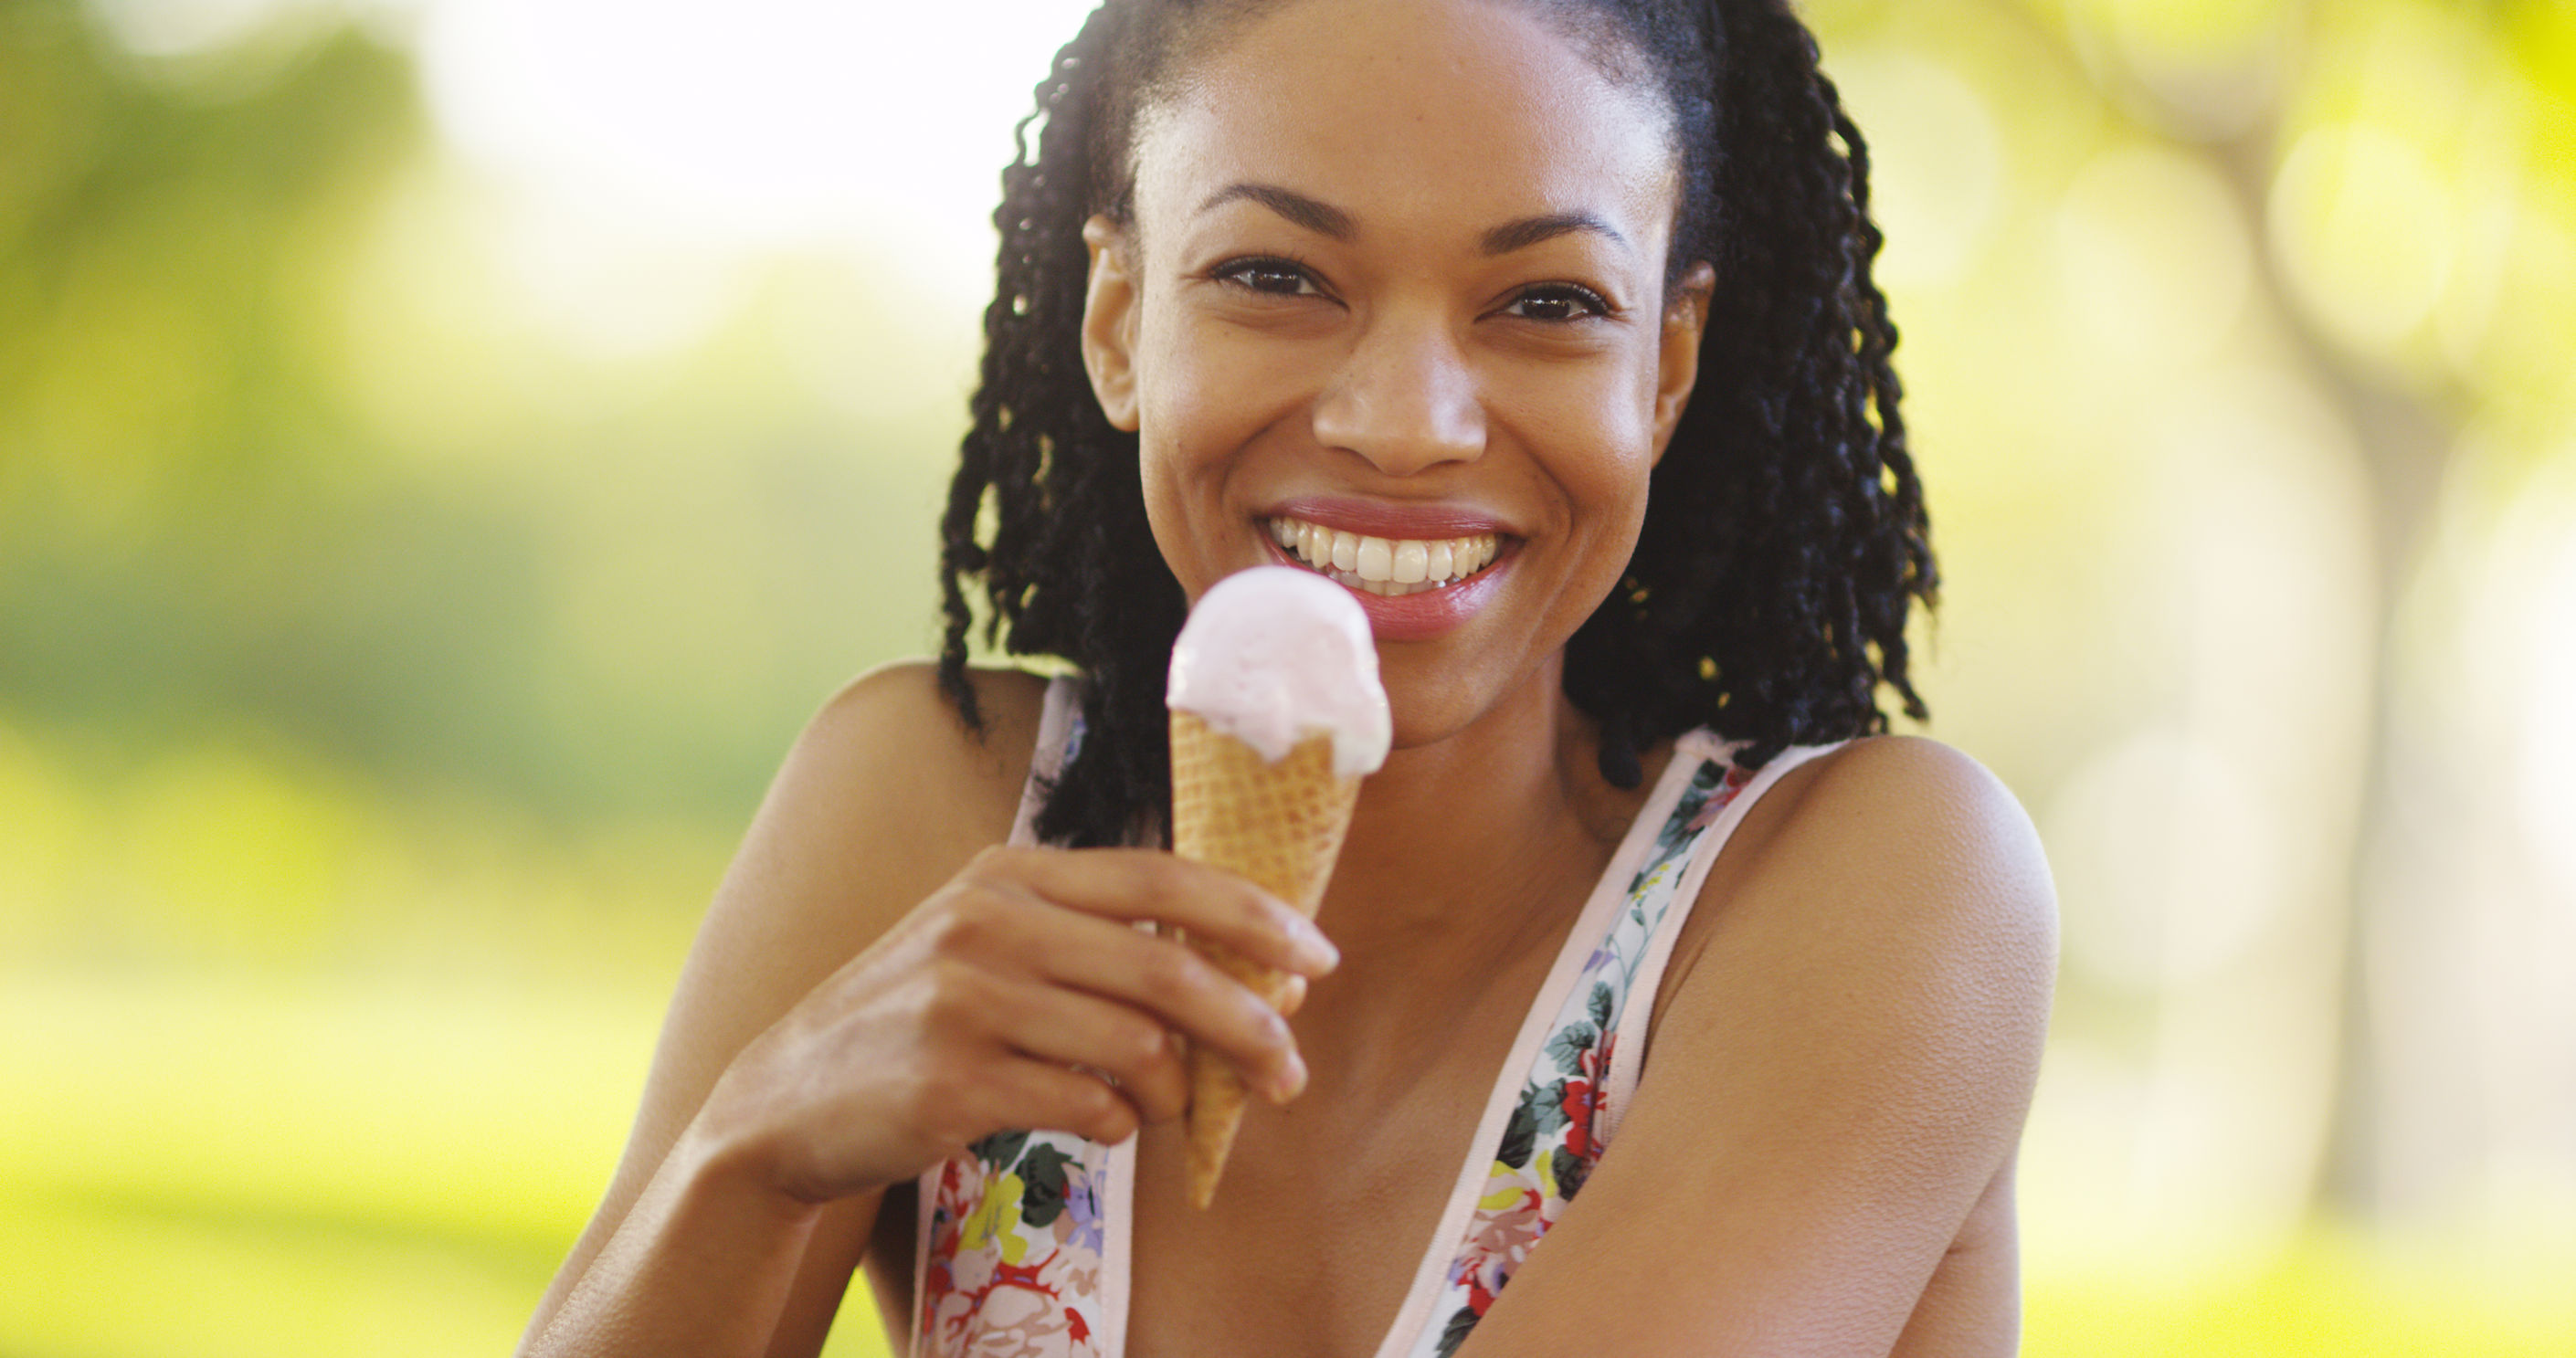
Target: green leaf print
<point>1455,1332</point>
<point>1544,1105</point>
<point>1000,1149</point>
<point>1569,1046</point>
<point>1519,1135</point>
<point>1602,1003</point>
<point>1571,1171</point>
<point>1043,1170</point>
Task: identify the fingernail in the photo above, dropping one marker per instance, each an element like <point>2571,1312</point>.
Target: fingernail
<point>1316,948</point>
<point>1291,1082</point>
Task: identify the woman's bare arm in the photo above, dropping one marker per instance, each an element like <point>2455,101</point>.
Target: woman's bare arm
<point>1839,1079</point>
<point>883,798</point>
<point>814,1059</point>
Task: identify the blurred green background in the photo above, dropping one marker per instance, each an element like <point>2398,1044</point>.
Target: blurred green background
<point>448,446</point>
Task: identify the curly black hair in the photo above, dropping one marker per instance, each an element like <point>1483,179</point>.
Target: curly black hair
<point>1785,539</point>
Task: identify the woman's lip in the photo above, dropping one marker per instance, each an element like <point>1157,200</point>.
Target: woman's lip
<point>1423,615</point>
<point>1383,519</point>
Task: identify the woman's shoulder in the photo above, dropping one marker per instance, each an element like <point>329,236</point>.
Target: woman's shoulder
<point>894,736</point>
<point>1907,823</point>
<point>1921,811</point>
<point>1891,869</point>
<point>1850,1035</point>
<point>1868,991</point>
<point>885,795</point>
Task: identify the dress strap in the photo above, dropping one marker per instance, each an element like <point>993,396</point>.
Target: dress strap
<point>1059,735</point>
<point>1023,1240</point>
<point>1549,1121</point>
<point>1428,1321</point>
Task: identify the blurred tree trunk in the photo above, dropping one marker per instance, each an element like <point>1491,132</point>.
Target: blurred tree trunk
<point>2405,446</point>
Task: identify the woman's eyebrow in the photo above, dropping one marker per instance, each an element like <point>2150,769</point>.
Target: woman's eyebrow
<point>1321,218</point>
<point>1326,220</point>
<point>1529,231</point>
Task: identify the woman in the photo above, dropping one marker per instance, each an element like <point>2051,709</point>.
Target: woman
<point>1568,302</point>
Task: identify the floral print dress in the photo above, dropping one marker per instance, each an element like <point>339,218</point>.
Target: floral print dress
<point>1016,1249</point>
<point>1023,1241</point>
<point>1556,1129</point>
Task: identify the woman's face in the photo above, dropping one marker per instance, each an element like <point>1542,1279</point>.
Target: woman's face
<point>1390,306</point>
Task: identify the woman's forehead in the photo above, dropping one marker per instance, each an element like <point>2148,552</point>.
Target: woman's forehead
<point>1417,111</point>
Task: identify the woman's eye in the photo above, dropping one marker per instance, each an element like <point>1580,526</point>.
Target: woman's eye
<point>1557,302</point>
<point>1278,277</point>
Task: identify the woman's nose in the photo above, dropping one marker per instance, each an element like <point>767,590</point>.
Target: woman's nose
<point>1404,398</point>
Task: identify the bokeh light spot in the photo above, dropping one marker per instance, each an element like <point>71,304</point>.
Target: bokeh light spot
<point>2153,254</point>
<point>1936,162</point>
<point>184,28</point>
<point>2166,861</point>
<point>2361,224</point>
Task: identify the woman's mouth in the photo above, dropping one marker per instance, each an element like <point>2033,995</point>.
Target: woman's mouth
<point>1389,567</point>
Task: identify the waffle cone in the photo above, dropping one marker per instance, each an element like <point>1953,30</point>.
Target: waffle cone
<point>1281,826</point>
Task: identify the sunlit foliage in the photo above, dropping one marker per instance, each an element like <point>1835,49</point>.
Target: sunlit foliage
<point>415,553</point>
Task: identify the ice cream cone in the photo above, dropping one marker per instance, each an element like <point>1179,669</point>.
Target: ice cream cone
<point>1281,826</point>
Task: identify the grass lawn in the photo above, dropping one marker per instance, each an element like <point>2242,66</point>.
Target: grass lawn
<point>201,1169</point>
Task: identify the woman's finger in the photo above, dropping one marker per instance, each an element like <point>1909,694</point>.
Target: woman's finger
<point>1038,1094</point>
<point>1165,977</point>
<point>1071,1028</point>
<point>1147,884</point>
<point>999,935</point>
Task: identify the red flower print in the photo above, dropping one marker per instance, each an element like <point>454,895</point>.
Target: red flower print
<point>1578,1104</point>
<point>1025,1277</point>
<point>1075,1326</point>
<point>935,1288</point>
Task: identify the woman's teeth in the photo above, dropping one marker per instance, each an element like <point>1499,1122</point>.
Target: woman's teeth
<point>1385,565</point>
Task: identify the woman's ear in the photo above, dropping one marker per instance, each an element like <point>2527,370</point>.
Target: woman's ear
<point>1109,322</point>
<point>1685,321</point>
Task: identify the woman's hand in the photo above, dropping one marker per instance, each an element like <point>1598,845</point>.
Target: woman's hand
<point>1019,995</point>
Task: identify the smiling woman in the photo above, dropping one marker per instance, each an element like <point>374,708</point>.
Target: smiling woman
<point>1498,361</point>
<point>1547,330</point>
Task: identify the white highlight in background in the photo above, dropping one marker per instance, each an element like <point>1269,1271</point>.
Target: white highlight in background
<point>2168,858</point>
<point>762,123</point>
<point>2548,801</point>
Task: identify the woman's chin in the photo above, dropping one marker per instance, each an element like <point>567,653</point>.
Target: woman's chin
<point>1433,703</point>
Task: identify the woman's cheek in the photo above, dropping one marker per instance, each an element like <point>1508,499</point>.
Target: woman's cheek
<point>1195,416</point>
<point>1211,386</point>
<point>1602,434</point>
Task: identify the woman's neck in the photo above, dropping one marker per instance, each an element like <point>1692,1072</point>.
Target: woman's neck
<point>1483,842</point>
